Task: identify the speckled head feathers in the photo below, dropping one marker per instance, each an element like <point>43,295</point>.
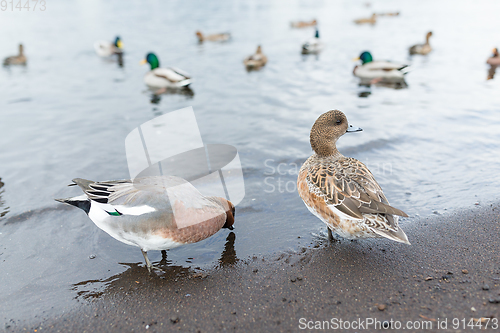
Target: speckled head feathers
<point>326,130</point>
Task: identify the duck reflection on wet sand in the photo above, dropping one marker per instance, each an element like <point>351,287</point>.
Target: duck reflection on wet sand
<point>136,277</point>
<point>156,93</point>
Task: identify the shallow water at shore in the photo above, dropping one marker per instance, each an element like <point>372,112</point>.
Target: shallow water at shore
<point>433,146</point>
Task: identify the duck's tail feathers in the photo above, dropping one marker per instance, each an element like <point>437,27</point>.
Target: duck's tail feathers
<point>397,236</point>
<point>405,69</point>
<point>81,202</point>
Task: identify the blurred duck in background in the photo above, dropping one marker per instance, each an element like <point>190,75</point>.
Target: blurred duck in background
<point>494,62</point>
<point>255,61</point>
<point>304,24</point>
<point>164,77</point>
<point>313,46</point>
<point>389,14</point>
<point>19,59</point>
<point>222,37</point>
<point>422,49</point>
<point>494,59</point>
<point>371,20</point>
<point>379,71</point>
<point>106,49</point>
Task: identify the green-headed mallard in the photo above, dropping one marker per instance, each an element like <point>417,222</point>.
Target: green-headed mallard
<point>170,77</point>
<point>384,71</point>
<point>106,49</point>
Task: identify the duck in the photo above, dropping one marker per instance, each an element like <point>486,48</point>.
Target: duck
<point>222,37</point>
<point>19,59</point>
<point>371,20</point>
<point>255,61</point>
<point>341,191</point>
<point>379,71</point>
<point>389,14</point>
<point>170,77</point>
<point>106,49</point>
<point>152,213</point>
<point>304,24</point>
<point>313,46</point>
<point>494,60</point>
<point>422,49</point>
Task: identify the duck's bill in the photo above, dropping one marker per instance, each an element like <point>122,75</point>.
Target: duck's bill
<point>120,44</point>
<point>355,59</point>
<point>353,129</point>
<point>143,61</point>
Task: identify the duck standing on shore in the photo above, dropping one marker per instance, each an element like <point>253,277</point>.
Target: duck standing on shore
<point>153,213</point>
<point>255,61</point>
<point>222,37</point>
<point>19,59</point>
<point>422,49</point>
<point>341,191</point>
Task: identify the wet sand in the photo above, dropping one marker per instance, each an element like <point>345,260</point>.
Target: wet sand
<point>451,270</point>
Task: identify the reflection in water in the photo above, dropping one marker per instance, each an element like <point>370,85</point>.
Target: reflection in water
<point>133,277</point>
<point>5,210</point>
<point>380,83</point>
<point>120,59</point>
<point>491,72</point>
<point>156,93</point>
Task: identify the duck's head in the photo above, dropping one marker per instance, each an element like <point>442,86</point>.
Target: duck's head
<point>118,42</point>
<point>259,50</point>
<point>21,49</point>
<point>151,59</point>
<point>230,213</point>
<point>365,57</point>
<point>317,33</point>
<point>327,129</point>
<point>495,53</point>
<point>429,34</point>
<point>199,35</point>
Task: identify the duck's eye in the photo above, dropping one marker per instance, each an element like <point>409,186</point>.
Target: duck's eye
<point>339,122</point>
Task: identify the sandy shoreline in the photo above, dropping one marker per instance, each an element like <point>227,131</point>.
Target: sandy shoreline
<point>345,280</point>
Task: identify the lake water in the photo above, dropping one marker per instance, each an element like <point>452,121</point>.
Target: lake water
<point>432,146</point>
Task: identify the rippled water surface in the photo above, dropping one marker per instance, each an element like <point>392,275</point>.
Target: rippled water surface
<point>433,146</point>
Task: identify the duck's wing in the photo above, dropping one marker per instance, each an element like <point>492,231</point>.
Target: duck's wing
<point>349,187</point>
<point>150,191</point>
<point>384,65</point>
<point>170,74</point>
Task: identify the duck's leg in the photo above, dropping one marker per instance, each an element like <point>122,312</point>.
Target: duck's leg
<point>148,263</point>
<point>330,235</point>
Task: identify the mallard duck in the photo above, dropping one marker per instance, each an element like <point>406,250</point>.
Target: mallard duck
<point>370,20</point>
<point>152,213</point>
<point>106,49</point>
<point>304,24</point>
<point>170,77</point>
<point>341,191</point>
<point>19,59</point>
<point>422,49</point>
<point>313,46</point>
<point>494,59</point>
<point>222,37</point>
<point>384,71</point>
<point>257,60</point>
